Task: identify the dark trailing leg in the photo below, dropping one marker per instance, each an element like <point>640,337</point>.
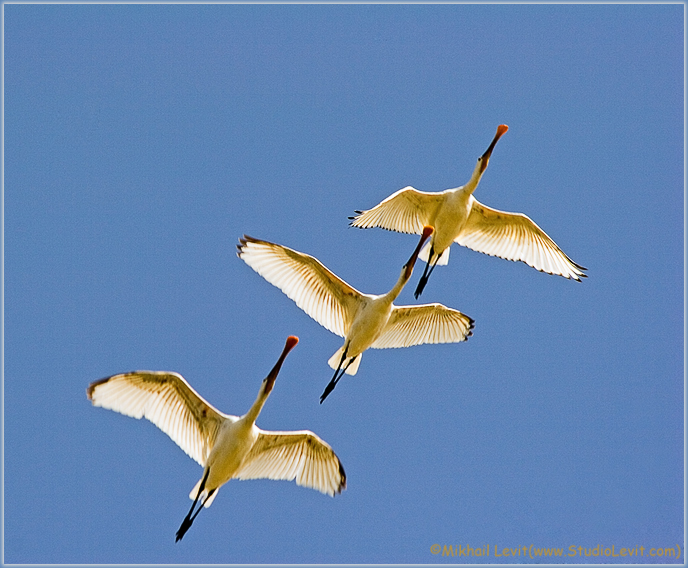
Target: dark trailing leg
<point>337,375</point>
<point>426,274</point>
<point>189,519</point>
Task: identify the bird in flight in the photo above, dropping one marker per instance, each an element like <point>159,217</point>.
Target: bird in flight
<point>228,447</point>
<point>363,320</point>
<point>458,217</point>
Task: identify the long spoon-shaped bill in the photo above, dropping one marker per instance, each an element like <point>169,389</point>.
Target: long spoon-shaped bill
<point>427,231</point>
<point>292,340</point>
<point>501,130</point>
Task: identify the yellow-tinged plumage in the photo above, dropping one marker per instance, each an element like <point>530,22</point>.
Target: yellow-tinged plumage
<point>228,447</point>
<point>458,217</point>
<point>363,320</point>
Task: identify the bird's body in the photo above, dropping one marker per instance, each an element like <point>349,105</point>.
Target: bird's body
<point>227,446</point>
<point>233,444</point>
<point>368,324</point>
<point>458,217</point>
<point>363,320</point>
<point>450,216</point>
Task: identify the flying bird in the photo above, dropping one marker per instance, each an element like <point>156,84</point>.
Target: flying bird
<point>228,447</point>
<point>458,217</point>
<point>363,320</point>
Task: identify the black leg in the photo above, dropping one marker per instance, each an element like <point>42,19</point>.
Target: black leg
<point>330,386</point>
<point>426,274</point>
<point>335,379</point>
<point>208,496</point>
<point>186,525</point>
<point>188,520</point>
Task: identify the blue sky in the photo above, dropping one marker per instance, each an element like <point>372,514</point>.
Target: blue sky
<point>142,141</point>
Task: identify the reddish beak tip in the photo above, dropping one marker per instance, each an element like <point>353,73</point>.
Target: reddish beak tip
<point>292,340</point>
<point>501,129</point>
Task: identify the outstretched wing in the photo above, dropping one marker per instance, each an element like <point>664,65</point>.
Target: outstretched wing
<point>316,290</point>
<point>406,211</point>
<point>426,323</point>
<point>299,455</point>
<point>168,401</point>
<point>515,236</point>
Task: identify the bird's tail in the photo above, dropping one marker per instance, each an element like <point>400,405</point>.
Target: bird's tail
<point>337,357</point>
<point>425,253</point>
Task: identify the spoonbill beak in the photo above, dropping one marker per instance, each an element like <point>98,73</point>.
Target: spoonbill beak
<point>292,340</point>
<point>427,231</point>
<point>501,130</point>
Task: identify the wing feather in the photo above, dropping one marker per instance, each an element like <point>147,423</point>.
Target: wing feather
<point>299,455</point>
<point>168,401</point>
<point>316,290</point>
<point>515,236</point>
<point>406,211</point>
<point>426,323</point>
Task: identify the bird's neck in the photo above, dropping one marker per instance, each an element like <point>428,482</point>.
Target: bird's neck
<point>472,183</point>
<point>398,287</point>
<point>252,415</point>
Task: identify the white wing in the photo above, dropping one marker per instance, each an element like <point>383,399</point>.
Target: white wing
<point>299,455</point>
<point>426,323</point>
<point>515,236</point>
<point>407,211</point>
<point>317,291</point>
<point>168,401</point>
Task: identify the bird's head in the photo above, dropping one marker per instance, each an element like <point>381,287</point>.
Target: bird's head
<point>485,158</point>
<point>408,267</point>
<point>269,381</point>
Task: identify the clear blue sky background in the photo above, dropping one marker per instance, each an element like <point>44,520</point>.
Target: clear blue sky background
<point>142,141</point>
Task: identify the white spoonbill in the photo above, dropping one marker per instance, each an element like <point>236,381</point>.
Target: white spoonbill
<point>458,217</point>
<point>363,320</point>
<point>228,447</point>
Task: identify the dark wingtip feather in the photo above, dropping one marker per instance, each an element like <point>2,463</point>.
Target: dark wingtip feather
<point>579,267</point>
<point>342,482</point>
<point>93,385</point>
<point>355,217</point>
<point>243,241</point>
<point>471,326</point>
